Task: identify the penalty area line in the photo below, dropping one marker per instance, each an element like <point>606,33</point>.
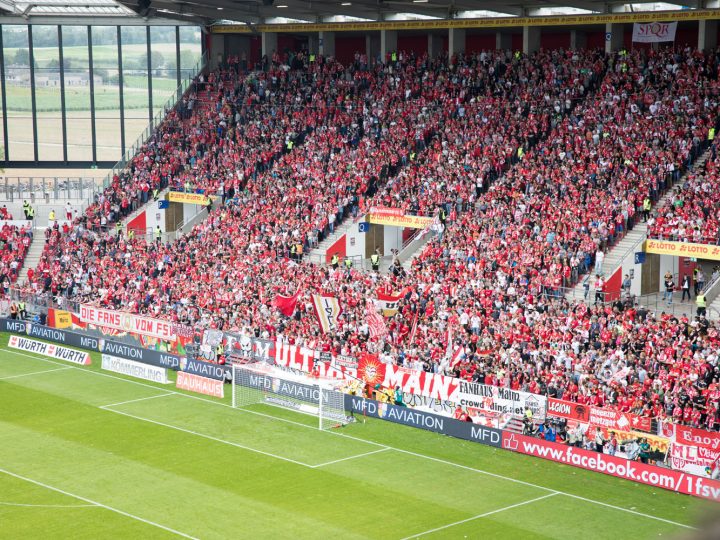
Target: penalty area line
<point>98,504</point>
<point>486,514</point>
<point>350,457</point>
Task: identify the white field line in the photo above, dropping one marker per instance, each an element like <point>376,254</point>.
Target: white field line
<point>24,505</point>
<point>486,514</point>
<point>210,437</point>
<point>95,503</point>
<point>136,400</point>
<point>350,457</point>
<point>336,433</point>
<point>33,373</point>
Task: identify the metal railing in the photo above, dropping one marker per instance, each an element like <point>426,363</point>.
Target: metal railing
<point>47,190</point>
<point>149,130</point>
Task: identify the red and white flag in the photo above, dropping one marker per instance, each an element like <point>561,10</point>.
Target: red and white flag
<point>375,321</point>
<point>327,310</point>
<point>454,353</point>
<point>413,330</point>
<point>388,303</point>
<point>287,304</point>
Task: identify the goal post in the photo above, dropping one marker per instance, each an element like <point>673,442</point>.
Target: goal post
<point>262,384</point>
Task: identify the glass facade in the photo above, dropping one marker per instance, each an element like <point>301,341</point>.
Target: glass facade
<point>85,94</point>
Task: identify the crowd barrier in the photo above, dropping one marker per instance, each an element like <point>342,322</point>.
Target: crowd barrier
<point>678,481</point>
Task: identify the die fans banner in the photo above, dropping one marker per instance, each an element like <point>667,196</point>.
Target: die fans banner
<point>604,418</point>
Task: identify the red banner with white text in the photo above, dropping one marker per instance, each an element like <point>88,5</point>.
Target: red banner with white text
<point>420,383</point>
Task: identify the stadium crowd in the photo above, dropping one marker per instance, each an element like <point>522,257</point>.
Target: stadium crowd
<point>692,215</point>
<point>537,165</point>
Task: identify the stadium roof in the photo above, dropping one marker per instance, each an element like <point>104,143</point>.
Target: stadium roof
<point>278,11</point>
<point>45,8</point>
<point>291,11</point>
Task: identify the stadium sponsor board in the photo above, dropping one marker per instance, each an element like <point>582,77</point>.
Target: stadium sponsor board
<point>424,420</point>
<point>134,369</point>
<point>420,383</point>
<point>684,249</point>
<point>204,369</point>
<point>188,198</point>
<point>200,385</point>
<point>614,466</point>
<point>394,220</point>
<point>488,22</point>
<point>133,352</point>
<point>128,322</point>
<point>50,349</point>
<point>501,400</point>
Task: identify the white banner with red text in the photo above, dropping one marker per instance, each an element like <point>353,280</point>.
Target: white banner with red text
<point>127,322</point>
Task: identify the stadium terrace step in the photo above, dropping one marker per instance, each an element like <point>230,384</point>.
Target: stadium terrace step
<point>322,248</point>
<point>33,255</point>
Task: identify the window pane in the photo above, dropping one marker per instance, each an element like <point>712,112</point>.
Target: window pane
<point>135,87</point>
<point>19,102</point>
<point>190,50</point>
<point>77,93</point>
<point>47,93</point>
<point>164,66</point>
<point>107,93</point>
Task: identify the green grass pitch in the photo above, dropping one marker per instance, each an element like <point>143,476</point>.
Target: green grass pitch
<point>90,454</point>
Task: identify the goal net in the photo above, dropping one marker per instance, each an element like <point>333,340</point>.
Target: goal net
<point>260,383</point>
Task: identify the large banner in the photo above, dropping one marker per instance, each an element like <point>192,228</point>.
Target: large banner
<point>684,249</point>
<point>694,459</point>
<point>127,322</point>
<point>697,437</point>
<point>616,420</point>
<point>598,417</point>
<point>654,32</point>
<point>243,347</point>
<point>420,383</point>
<point>614,466</point>
<point>50,349</point>
<point>500,400</point>
<point>569,410</point>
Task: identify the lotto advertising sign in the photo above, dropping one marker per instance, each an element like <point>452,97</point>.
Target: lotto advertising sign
<point>614,466</point>
<point>127,322</point>
<point>200,385</point>
<point>50,349</point>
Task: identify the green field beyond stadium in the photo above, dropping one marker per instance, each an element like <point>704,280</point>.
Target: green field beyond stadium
<point>89,454</point>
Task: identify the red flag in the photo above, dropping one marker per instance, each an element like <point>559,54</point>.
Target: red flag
<point>286,304</point>
<point>375,321</point>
